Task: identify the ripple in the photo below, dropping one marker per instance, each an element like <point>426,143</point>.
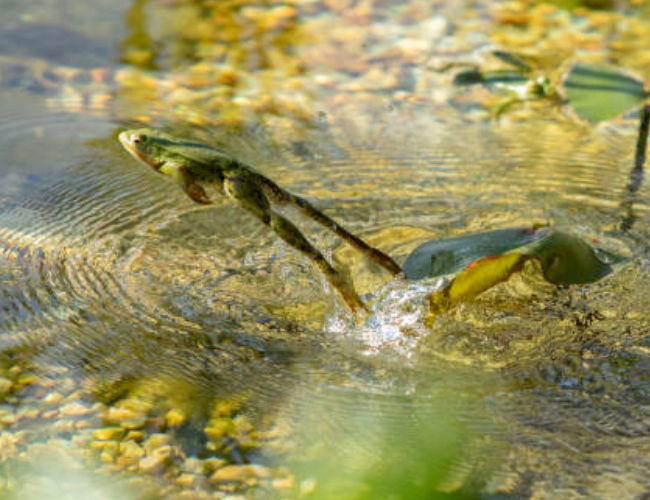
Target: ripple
<point>110,272</point>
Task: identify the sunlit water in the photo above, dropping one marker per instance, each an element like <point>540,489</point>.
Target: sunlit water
<point>110,275</point>
<point>110,272</point>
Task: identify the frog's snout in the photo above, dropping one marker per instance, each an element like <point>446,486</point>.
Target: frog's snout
<point>135,144</point>
<point>130,140</point>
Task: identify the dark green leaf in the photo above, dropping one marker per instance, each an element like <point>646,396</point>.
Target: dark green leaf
<point>476,262</point>
<point>597,93</point>
<point>443,257</point>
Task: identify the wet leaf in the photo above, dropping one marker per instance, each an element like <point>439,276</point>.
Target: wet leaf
<point>479,276</point>
<point>567,260</point>
<point>598,93</point>
<point>448,256</point>
<point>498,77</point>
<point>476,262</point>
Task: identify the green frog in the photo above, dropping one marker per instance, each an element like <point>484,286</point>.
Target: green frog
<point>205,173</point>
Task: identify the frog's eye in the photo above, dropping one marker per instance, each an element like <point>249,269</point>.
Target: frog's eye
<point>140,139</point>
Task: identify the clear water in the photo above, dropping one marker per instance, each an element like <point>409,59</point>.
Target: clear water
<point>109,275</point>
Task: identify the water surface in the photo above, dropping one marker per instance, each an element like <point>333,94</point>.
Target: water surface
<point>110,279</point>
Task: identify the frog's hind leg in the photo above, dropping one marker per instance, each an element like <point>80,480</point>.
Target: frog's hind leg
<point>282,197</point>
<point>250,196</point>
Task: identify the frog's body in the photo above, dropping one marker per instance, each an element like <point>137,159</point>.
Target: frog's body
<point>204,172</point>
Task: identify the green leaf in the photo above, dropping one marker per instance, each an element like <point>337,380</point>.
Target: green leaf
<point>444,257</point>
<point>490,78</point>
<point>567,260</point>
<point>479,276</point>
<point>597,93</point>
<point>476,262</point>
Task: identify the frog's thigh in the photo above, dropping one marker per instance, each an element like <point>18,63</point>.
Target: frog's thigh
<point>249,196</point>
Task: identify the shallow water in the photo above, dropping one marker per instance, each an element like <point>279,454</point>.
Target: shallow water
<point>111,277</point>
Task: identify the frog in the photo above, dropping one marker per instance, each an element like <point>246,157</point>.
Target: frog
<point>206,173</point>
<point>519,83</point>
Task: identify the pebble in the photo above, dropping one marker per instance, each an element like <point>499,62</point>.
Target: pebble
<point>131,450</point>
<point>82,440</point>
<point>85,424</point>
<point>53,398</point>
<point>107,457</point>
<point>307,486</point>
<point>74,409</point>
<point>135,435</point>
<point>153,463</point>
<point>27,412</point>
<point>7,418</point>
<point>156,441</point>
<point>50,414</point>
<point>283,483</point>
<point>5,386</point>
<point>175,418</point>
<point>165,450</point>
<point>187,480</point>
<point>116,416</point>
<point>108,433</point>
<point>62,426</point>
<point>219,427</point>
<point>102,445</point>
<point>212,464</point>
<point>240,473</point>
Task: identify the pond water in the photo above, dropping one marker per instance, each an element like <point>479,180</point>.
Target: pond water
<point>128,313</point>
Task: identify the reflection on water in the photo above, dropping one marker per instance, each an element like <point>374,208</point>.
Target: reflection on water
<point>161,337</point>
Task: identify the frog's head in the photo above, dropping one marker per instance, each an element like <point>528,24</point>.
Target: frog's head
<point>151,147</point>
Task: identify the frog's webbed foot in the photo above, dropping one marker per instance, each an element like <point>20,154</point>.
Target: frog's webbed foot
<point>249,195</point>
<point>282,197</point>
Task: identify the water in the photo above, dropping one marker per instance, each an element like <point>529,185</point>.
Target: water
<point>114,285</point>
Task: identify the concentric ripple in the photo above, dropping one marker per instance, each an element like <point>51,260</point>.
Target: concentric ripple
<point>110,272</point>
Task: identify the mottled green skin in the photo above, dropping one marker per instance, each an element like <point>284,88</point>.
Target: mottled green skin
<point>204,173</point>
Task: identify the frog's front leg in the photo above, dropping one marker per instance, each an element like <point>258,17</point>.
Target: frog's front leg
<point>187,182</point>
<point>243,189</point>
